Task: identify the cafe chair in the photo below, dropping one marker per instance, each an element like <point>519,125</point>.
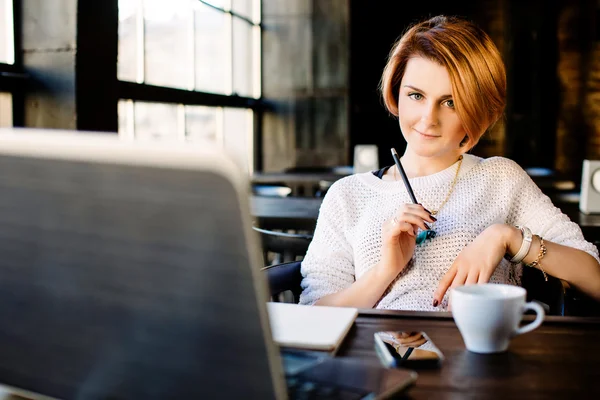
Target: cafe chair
<point>282,278</point>
<point>550,294</point>
<point>285,246</point>
<point>557,296</point>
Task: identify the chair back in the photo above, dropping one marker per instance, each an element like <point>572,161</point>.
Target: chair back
<point>286,246</point>
<point>284,277</point>
<point>550,293</point>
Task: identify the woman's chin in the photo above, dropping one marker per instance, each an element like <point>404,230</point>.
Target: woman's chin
<point>426,151</point>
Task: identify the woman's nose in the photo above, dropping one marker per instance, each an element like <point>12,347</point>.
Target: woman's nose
<point>429,116</point>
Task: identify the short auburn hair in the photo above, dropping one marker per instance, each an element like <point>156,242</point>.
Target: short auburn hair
<point>476,70</point>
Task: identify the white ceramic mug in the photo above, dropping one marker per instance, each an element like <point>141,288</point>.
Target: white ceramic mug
<point>488,315</point>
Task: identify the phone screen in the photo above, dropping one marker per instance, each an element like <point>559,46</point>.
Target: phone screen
<point>411,349</point>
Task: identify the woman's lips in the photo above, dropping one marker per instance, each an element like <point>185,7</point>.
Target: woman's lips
<point>426,136</point>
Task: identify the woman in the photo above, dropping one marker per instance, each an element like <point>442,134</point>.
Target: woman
<point>446,83</point>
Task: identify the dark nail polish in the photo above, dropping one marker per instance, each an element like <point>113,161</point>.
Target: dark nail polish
<point>435,303</point>
<point>433,218</point>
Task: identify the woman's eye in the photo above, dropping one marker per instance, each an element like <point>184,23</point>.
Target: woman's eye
<point>415,96</point>
<point>450,103</point>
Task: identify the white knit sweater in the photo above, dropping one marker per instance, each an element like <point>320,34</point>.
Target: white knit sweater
<point>347,239</point>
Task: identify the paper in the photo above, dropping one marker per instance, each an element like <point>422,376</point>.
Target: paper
<point>310,327</point>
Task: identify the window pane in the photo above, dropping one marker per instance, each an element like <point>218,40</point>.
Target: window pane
<point>155,121</point>
<point>168,32</point>
<point>7,39</point>
<point>126,123</point>
<point>237,136</point>
<point>242,58</point>
<point>242,7</point>
<point>6,111</point>
<point>201,124</point>
<point>212,47</point>
<point>128,40</point>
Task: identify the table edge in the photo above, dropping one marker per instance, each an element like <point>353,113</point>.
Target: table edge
<point>440,316</point>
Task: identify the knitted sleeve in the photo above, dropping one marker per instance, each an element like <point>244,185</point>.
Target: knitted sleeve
<point>328,265</point>
<point>532,208</point>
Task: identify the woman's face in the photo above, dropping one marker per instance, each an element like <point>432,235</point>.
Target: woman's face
<point>426,111</point>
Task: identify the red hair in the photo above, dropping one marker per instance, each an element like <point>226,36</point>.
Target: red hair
<point>476,70</point>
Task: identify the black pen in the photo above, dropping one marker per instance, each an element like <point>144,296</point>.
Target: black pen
<point>404,177</point>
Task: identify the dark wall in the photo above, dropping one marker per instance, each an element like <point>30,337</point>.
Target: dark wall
<point>530,53</point>
<point>533,92</point>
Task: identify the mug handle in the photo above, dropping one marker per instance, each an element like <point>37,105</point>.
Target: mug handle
<point>539,310</point>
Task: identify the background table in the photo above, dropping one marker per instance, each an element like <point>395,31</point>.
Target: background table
<point>299,213</point>
<point>301,183</point>
<point>280,213</point>
<point>557,360</point>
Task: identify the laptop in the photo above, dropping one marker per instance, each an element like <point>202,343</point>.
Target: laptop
<point>130,271</point>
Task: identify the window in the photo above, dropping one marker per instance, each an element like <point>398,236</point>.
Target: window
<point>191,70</point>
<point>11,71</point>
<point>7,32</point>
<point>6,110</point>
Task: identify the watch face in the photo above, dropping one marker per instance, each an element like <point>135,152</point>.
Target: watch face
<point>596,180</point>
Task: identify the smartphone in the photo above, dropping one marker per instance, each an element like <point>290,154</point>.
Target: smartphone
<point>407,349</point>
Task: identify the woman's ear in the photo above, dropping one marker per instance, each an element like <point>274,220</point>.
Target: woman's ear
<point>464,141</point>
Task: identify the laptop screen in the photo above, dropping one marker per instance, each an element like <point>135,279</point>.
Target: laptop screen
<point>126,273</point>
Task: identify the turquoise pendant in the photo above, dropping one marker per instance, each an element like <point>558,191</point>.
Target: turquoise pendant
<point>424,235</point>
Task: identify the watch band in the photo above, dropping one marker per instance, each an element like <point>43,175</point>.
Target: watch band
<point>525,245</point>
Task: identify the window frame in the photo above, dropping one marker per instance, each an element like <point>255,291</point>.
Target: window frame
<point>97,57</point>
<point>12,76</point>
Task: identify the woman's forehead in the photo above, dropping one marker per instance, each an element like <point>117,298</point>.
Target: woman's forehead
<point>427,76</point>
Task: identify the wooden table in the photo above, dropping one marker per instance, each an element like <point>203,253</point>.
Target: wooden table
<point>557,360</point>
<point>285,212</point>
<point>301,183</point>
<point>296,177</point>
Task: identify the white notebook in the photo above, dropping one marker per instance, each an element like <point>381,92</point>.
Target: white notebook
<point>310,327</point>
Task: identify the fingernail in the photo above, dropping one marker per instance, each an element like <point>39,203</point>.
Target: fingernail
<point>427,225</point>
<point>435,303</point>
<point>433,218</point>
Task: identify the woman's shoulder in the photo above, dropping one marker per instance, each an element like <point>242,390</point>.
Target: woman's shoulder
<point>500,166</point>
<point>351,189</point>
<point>348,186</point>
<point>496,173</point>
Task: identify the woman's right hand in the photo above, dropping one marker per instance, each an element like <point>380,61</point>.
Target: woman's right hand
<point>399,236</point>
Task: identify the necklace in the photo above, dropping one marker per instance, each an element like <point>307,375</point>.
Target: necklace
<point>430,233</point>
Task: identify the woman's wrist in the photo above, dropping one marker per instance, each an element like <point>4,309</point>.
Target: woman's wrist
<point>384,272</point>
<point>512,238</point>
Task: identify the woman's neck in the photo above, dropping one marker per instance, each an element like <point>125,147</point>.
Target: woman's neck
<point>416,166</point>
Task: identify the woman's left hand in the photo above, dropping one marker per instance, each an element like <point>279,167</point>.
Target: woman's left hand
<point>476,262</point>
